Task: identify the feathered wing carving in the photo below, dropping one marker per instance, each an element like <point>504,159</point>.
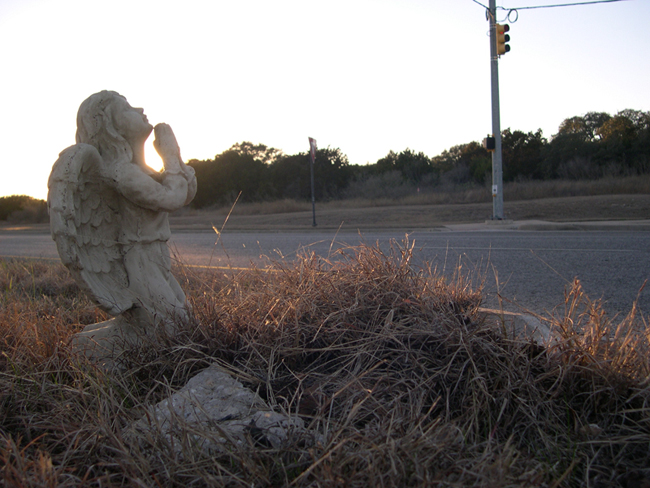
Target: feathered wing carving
<point>85,224</point>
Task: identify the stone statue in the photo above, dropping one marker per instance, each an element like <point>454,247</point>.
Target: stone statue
<point>109,218</point>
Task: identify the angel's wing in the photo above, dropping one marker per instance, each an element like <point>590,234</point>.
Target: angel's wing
<point>85,224</point>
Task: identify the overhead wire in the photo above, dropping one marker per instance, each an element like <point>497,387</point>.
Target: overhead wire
<point>515,9</point>
<point>562,4</point>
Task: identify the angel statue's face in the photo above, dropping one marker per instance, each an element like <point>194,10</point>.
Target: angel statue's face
<point>131,122</point>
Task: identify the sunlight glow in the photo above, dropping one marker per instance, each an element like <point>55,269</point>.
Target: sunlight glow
<point>151,157</point>
<point>364,76</point>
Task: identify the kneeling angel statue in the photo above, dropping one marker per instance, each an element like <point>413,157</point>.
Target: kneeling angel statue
<point>109,218</point>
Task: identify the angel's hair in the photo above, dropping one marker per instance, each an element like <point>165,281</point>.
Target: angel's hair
<point>95,127</point>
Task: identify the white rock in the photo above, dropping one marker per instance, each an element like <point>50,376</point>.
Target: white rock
<point>212,410</point>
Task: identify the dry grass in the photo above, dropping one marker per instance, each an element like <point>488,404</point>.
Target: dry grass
<point>394,368</point>
<point>534,190</point>
<point>461,194</point>
<point>286,205</point>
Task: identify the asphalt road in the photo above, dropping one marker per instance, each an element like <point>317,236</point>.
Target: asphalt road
<point>532,268</point>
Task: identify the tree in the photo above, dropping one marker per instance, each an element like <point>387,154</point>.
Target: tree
<point>597,144</point>
<point>413,166</point>
<point>469,162</point>
<point>619,129</point>
<point>593,122</point>
<point>641,120</point>
<point>259,152</point>
<point>522,154</point>
<point>585,127</point>
<point>626,140</point>
<point>386,164</point>
<point>230,173</point>
<point>572,152</point>
<point>333,170</point>
<point>574,126</point>
<point>290,176</point>
<point>568,155</point>
<point>21,208</point>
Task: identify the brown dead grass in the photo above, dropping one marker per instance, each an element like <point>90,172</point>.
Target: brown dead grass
<point>393,367</point>
<point>395,215</point>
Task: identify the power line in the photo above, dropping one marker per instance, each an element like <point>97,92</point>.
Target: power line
<point>555,5</point>
<point>560,4</point>
<point>514,11</point>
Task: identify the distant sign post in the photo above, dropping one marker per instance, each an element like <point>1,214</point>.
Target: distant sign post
<point>312,159</point>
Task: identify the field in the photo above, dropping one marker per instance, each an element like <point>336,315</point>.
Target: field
<point>622,198</point>
<point>414,214</point>
<point>398,375</point>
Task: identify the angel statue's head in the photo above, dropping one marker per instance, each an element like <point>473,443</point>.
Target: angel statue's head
<point>107,121</point>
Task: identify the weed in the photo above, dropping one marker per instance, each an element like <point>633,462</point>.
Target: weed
<point>395,369</point>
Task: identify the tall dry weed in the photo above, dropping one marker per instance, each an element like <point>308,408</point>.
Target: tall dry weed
<point>393,367</point>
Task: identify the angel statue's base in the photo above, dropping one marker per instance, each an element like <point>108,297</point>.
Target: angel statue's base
<point>109,218</point>
<point>106,342</point>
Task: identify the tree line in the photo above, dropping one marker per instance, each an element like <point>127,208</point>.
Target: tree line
<point>22,208</point>
<point>590,146</point>
<point>259,173</point>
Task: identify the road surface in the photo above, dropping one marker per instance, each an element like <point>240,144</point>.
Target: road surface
<point>530,269</point>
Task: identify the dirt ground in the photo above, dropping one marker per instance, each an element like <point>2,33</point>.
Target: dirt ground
<point>328,216</point>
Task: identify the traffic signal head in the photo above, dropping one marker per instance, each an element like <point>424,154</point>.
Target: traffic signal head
<point>502,38</point>
<point>489,143</point>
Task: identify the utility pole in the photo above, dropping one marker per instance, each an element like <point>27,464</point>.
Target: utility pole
<point>497,160</point>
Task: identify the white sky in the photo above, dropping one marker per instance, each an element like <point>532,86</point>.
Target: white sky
<point>366,76</point>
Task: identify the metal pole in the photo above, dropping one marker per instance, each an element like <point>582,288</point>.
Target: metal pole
<point>312,157</point>
<point>497,161</point>
<point>313,199</point>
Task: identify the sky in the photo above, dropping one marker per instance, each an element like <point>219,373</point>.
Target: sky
<point>364,76</point>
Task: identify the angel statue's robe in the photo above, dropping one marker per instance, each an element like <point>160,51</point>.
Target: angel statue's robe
<point>111,227</point>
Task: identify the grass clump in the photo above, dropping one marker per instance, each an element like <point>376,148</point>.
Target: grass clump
<point>395,369</point>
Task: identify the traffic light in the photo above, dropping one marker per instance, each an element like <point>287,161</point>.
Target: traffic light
<point>489,143</point>
<point>502,38</point>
